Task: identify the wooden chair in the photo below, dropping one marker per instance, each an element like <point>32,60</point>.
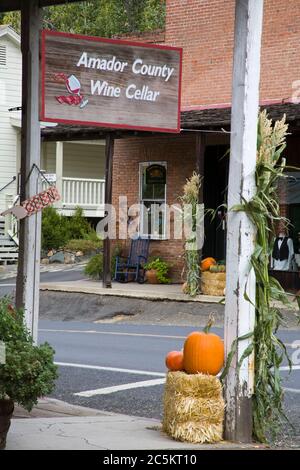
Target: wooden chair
<point>132,266</point>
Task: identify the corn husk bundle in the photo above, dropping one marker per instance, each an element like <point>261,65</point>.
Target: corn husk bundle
<point>213,283</point>
<point>193,407</point>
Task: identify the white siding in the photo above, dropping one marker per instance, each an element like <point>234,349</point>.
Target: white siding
<point>80,160</point>
<point>10,96</point>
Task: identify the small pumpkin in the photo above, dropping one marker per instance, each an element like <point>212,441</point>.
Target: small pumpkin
<point>185,288</point>
<point>174,360</point>
<point>206,263</point>
<point>203,352</point>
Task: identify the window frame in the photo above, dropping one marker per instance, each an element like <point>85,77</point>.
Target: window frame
<point>142,167</point>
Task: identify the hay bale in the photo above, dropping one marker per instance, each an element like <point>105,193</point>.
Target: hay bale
<point>213,283</point>
<point>193,407</point>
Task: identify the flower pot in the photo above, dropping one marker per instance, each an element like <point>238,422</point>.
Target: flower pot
<point>151,276</point>
<point>6,411</point>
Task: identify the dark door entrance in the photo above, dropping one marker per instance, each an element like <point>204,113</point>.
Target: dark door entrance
<point>216,164</point>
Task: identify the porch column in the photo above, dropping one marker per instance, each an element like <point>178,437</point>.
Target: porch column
<point>28,278</point>
<point>200,151</point>
<point>109,151</point>
<point>239,313</point>
<point>59,162</point>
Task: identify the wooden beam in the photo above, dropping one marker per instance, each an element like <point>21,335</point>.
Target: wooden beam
<point>240,313</point>
<point>109,151</point>
<point>200,151</point>
<point>28,278</point>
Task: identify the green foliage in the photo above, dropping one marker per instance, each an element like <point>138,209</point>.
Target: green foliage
<point>263,210</point>
<point>58,230</point>
<point>86,246</point>
<point>190,199</point>
<point>29,371</point>
<point>77,225</point>
<point>100,17</point>
<point>54,229</point>
<point>161,267</point>
<point>94,268</point>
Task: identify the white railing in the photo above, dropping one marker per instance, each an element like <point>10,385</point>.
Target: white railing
<point>83,192</point>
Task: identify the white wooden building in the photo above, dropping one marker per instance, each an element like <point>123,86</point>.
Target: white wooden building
<point>77,167</point>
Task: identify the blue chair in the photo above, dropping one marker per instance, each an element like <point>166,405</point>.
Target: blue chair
<point>132,266</point>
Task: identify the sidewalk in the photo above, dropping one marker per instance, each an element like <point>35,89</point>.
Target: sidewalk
<point>55,425</point>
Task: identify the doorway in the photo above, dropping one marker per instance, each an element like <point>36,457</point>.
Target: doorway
<point>216,166</point>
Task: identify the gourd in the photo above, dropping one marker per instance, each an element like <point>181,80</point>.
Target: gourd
<point>206,263</point>
<point>174,360</point>
<point>203,352</point>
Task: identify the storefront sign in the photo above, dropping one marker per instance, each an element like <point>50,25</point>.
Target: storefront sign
<point>110,83</point>
<point>41,200</point>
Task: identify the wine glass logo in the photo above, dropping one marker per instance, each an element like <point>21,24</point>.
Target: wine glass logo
<point>73,86</point>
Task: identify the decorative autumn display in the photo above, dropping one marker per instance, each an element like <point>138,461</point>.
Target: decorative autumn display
<point>193,408</point>
<point>191,213</point>
<point>206,263</point>
<point>217,268</point>
<point>213,283</point>
<point>174,360</point>
<point>203,352</point>
<point>264,212</point>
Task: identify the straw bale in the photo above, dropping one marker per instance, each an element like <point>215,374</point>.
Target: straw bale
<point>193,407</point>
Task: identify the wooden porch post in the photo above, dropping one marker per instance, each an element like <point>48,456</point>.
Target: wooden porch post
<point>28,278</point>
<point>200,151</point>
<point>59,161</point>
<point>109,151</point>
<point>239,313</point>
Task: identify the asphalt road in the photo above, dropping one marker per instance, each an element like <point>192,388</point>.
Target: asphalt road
<point>59,274</point>
<point>106,364</point>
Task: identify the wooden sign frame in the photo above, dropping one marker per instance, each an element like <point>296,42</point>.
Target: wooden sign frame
<point>160,113</point>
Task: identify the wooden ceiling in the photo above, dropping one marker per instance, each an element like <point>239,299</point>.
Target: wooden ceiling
<point>10,5</point>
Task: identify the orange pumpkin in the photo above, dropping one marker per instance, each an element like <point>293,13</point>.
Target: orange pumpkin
<point>203,352</point>
<point>174,360</point>
<point>206,263</point>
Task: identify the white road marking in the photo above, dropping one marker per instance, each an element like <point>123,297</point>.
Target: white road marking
<point>118,388</point>
<point>291,390</point>
<point>117,333</point>
<point>111,369</point>
<point>7,285</point>
<point>294,367</point>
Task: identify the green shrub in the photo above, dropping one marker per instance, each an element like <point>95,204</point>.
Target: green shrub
<point>78,226</point>
<point>54,229</point>
<point>94,268</point>
<point>86,246</point>
<point>29,371</point>
<point>58,230</point>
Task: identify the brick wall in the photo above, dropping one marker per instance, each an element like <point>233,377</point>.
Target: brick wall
<point>179,153</point>
<point>204,28</point>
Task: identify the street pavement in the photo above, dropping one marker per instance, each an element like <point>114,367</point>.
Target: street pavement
<point>51,273</point>
<point>120,368</point>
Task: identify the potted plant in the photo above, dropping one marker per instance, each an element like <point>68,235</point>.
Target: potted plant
<point>27,371</point>
<point>156,271</point>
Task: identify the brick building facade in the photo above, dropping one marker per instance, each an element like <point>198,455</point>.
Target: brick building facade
<point>204,29</point>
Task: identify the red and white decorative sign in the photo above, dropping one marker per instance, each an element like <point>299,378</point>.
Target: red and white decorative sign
<point>41,200</point>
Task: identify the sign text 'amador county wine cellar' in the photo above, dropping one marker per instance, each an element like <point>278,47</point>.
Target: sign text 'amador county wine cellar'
<point>110,83</point>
